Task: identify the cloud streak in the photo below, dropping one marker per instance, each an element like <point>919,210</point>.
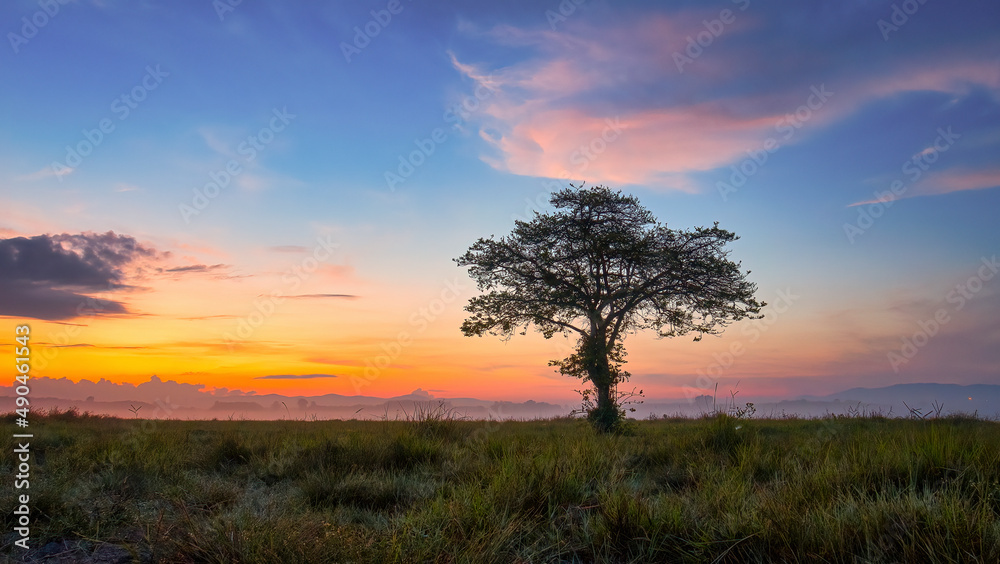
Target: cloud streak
<point>324,296</point>
<point>47,172</point>
<point>295,376</point>
<point>944,182</point>
<point>197,268</point>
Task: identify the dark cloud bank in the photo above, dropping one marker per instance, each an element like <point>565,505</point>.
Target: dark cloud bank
<point>53,277</point>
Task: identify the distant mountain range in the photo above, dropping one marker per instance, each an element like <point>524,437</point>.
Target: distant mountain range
<point>164,399</point>
<point>982,398</point>
<point>159,399</point>
<point>897,400</point>
<point>922,392</point>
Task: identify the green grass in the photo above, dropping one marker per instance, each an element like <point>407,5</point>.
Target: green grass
<point>714,489</point>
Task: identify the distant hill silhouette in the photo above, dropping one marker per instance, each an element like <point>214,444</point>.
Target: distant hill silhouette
<point>164,399</point>
<point>984,398</point>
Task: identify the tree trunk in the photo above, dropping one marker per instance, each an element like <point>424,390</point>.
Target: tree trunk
<point>604,401</point>
<point>606,415</point>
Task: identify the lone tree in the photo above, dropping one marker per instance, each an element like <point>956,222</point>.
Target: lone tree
<point>600,267</point>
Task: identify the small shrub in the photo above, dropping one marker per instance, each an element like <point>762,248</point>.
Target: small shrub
<point>409,450</point>
<point>230,452</point>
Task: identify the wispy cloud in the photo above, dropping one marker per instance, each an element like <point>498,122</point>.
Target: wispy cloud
<point>550,113</point>
<point>944,182</point>
<point>348,362</point>
<point>47,172</point>
<point>295,376</point>
<point>335,361</point>
<point>90,346</point>
<point>197,268</point>
<point>322,296</point>
<point>214,271</point>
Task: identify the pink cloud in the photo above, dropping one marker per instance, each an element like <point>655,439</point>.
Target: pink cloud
<point>338,272</point>
<point>956,181</point>
<point>939,76</point>
<point>200,248</point>
<point>644,147</point>
<point>944,182</point>
<point>545,113</point>
<point>26,219</point>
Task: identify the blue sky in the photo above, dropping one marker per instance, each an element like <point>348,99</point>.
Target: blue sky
<point>851,96</point>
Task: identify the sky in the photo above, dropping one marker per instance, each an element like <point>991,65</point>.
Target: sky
<point>267,196</point>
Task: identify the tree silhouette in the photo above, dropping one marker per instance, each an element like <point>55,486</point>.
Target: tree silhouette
<point>600,267</point>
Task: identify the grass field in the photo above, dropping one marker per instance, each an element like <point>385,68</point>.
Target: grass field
<point>865,489</point>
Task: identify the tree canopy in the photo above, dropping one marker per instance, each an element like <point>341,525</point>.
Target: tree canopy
<point>600,267</point>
